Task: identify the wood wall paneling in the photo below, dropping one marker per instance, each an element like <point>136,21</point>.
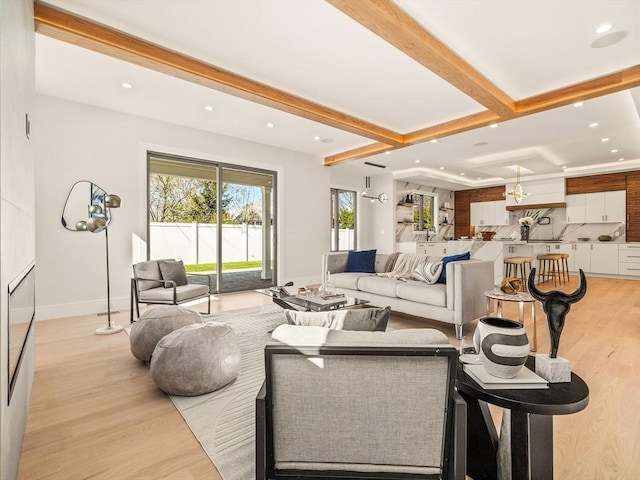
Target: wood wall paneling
<point>462,211</point>
<point>488,194</point>
<point>595,183</point>
<point>633,206</point>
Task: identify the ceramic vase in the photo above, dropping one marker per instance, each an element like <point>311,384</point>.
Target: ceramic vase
<point>503,346</point>
<point>524,232</point>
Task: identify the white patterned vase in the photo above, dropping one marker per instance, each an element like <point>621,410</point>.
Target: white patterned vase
<point>503,346</point>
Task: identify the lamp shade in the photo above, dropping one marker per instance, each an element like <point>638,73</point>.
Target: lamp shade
<point>96,224</point>
<point>112,201</point>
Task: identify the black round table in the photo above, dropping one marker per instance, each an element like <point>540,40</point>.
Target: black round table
<point>526,446</point>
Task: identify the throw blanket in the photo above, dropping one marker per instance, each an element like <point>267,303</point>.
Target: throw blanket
<point>405,266</point>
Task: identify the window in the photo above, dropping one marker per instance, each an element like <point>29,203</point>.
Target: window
<point>219,219</point>
<point>423,209</point>
<point>343,220</point>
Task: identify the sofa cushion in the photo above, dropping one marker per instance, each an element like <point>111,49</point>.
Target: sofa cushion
<point>451,258</point>
<point>150,271</point>
<point>364,319</point>
<point>347,280</point>
<point>320,336</point>
<point>183,292</point>
<point>421,292</point>
<point>427,272</point>
<point>173,270</point>
<point>379,285</point>
<point>361,261</point>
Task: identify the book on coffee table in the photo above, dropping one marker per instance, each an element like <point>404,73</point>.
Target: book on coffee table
<point>324,299</point>
<point>525,379</point>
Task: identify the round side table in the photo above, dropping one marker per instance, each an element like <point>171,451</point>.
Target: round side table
<point>522,297</point>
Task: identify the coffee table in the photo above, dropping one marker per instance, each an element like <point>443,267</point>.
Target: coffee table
<point>301,302</point>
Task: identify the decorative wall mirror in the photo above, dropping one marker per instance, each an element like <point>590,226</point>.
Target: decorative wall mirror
<point>85,200</point>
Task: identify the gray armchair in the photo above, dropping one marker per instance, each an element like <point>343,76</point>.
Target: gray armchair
<point>355,405</point>
<point>166,282</point>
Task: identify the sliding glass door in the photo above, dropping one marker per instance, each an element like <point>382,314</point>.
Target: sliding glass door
<point>217,218</point>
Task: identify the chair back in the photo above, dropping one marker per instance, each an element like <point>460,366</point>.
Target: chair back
<point>359,411</point>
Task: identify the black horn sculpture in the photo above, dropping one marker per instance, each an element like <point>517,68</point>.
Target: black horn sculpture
<point>556,305</point>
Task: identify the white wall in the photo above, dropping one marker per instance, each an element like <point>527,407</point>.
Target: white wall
<point>79,142</point>
<point>17,221</point>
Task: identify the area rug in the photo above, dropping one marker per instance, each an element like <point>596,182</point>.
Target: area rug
<point>224,421</point>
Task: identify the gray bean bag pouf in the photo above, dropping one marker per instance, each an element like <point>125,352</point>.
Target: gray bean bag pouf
<point>154,324</point>
<point>196,359</point>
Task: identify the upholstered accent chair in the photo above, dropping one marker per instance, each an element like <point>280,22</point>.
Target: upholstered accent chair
<point>166,282</point>
<point>360,405</point>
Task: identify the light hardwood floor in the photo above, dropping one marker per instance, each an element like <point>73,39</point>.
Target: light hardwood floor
<point>95,413</point>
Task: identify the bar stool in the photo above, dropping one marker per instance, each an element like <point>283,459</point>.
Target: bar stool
<point>517,267</point>
<point>549,267</point>
<point>564,266</point>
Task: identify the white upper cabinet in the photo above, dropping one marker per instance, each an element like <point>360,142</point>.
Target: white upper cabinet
<point>600,207</point>
<point>605,207</point>
<point>576,211</point>
<point>489,213</point>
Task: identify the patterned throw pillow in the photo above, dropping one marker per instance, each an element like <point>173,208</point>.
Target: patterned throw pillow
<point>427,272</point>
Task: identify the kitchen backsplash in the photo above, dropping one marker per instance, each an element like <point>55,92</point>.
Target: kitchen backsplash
<point>557,228</point>
<point>405,232</point>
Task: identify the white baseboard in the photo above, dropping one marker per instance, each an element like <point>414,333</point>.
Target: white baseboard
<point>48,312</point>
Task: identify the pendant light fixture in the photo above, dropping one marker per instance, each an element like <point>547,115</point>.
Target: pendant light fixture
<point>382,198</point>
<point>517,192</point>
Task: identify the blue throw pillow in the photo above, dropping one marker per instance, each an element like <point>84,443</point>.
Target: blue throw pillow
<point>361,261</point>
<point>451,258</point>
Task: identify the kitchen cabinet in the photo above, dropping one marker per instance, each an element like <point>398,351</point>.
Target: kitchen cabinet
<point>489,213</point>
<point>605,207</point>
<point>423,248</point>
<point>576,210</point>
<point>604,258</point>
<point>579,255</point>
<point>599,207</point>
<point>629,259</point>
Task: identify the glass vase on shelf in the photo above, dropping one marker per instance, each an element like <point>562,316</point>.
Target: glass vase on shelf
<point>524,232</point>
<point>327,288</point>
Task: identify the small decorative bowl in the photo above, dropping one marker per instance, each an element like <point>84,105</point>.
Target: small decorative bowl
<point>604,238</point>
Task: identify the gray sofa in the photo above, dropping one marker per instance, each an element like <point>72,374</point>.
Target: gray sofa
<point>458,301</point>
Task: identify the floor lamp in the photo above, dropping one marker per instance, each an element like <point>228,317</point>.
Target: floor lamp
<point>96,224</point>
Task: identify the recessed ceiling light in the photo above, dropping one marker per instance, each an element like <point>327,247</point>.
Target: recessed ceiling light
<point>462,173</point>
<point>620,159</point>
<point>126,85</point>
<point>317,137</point>
<point>609,39</point>
<point>593,125</point>
<point>564,167</point>
<point>270,125</point>
<point>578,104</point>
<point>493,125</point>
<point>605,139</point>
<point>209,108</point>
<point>388,152</point>
<point>435,140</point>
<point>479,178</point>
<point>615,150</point>
<point>418,160</point>
<point>441,168</point>
<point>604,28</point>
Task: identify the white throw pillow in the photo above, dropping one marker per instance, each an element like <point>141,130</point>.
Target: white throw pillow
<point>427,272</point>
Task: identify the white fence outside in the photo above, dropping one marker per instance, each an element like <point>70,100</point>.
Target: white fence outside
<point>195,243</point>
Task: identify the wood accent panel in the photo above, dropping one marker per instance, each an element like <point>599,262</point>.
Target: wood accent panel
<point>360,152</point>
<point>392,24</point>
<point>633,206</point>
<point>459,125</point>
<point>488,194</point>
<point>78,31</point>
<point>614,82</point>
<point>608,182</point>
<point>533,206</point>
<point>462,213</point>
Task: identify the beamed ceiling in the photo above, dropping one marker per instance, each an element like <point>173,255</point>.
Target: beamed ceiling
<point>371,80</point>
